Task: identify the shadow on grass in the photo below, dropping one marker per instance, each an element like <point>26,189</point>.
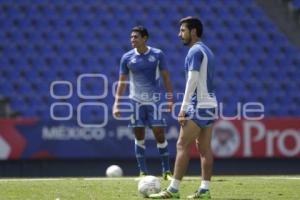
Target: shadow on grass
<point>232,199</point>
<point>220,180</point>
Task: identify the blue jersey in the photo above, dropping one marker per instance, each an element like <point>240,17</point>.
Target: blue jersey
<point>200,58</point>
<point>144,73</point>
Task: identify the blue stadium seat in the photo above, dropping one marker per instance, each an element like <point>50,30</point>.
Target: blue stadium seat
<point>295,5</point>
<point>64,38</point>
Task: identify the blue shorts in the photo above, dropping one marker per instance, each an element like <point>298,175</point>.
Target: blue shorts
<point>203,117</point>
<point>146,115</point>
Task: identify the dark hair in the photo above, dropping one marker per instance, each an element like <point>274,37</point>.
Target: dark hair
<point>141,30</point>
<point>193,22</point>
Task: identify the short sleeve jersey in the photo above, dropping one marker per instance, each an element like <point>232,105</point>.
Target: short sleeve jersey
<point>144,73</point>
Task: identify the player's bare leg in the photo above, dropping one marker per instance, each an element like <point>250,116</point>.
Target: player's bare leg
<point>187,136</point>
<point>139,133</point>
<point>159,134</point>
<point>203,143</point>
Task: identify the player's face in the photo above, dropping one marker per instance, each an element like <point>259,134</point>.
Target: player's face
<point>184,34</point>
<point>137,40</point>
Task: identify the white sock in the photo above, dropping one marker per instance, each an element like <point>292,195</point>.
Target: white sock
<point>162,145</point>
<point>140,143</point>
<point>204,185</point>
<point>174,185</point>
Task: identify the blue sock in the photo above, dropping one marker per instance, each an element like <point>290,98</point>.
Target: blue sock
<point>200,191</point>
<point>171,189</point>
<point>139,148</point>
<point>164,155</point>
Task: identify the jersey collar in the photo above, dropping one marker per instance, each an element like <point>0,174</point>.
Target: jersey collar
<point>148,51</point>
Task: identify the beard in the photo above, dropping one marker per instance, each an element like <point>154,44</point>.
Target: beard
<point>187,42</point>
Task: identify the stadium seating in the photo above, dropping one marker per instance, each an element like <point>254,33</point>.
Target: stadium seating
<point>295,5</point>
<point>44,41</point>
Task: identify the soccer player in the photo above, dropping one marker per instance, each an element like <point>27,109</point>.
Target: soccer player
<point>144,65</point>
<point>197,112</point>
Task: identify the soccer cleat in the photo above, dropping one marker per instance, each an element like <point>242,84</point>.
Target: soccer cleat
<point>203,194</point>
<point>142,174</point>
<point>165,194</point>
<point>167,176</point>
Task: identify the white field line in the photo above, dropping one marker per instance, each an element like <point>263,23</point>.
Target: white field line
<point>86,179</point>
<point>128,178</point>
<point>133,178</point>
<point>64,179</point>
<point>281,178</point>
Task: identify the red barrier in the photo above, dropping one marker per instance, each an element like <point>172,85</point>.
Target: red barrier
<point>270,137</point>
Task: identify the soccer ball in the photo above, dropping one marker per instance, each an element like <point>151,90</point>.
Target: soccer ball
<point>114,171</point>
<point>149,185</point>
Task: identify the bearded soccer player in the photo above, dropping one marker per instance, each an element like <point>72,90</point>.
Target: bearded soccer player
<point>197,113</point>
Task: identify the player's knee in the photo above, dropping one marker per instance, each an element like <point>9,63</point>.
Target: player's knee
<point>181,144</point>
<point>139,133</point>
<point>160,137</point>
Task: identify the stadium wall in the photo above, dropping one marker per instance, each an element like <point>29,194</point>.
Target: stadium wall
<point>30,147</point>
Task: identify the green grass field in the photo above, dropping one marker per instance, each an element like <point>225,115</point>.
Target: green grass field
<point>222,187</point>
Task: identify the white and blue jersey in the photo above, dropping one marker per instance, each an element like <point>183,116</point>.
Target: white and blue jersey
<point>199,100</point>
<point>144,72</point>
<point>201,59</point>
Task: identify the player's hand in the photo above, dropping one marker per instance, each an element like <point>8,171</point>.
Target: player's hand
<point>116,111</point>
<point>182,118</point>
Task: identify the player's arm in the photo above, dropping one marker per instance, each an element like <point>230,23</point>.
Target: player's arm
<point>124,71</point>
<point>190,88</point>
<point>166,79</point>
<point>169,89</point>
<point>120,91</point>
<point>194,63</point>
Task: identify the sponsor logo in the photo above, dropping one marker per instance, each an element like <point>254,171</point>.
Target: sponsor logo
<point>151,59</point>
<point>225,140</point>
<point>133,60</point>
